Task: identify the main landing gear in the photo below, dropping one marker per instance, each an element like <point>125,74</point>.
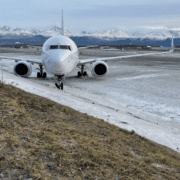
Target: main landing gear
<point>41,73</point>
<point>82,72</point>
<point>59,85</point>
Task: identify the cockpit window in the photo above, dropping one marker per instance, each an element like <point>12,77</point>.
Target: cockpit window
<point>60,47</point>
<point>54,47</point>
<point>64,47</point>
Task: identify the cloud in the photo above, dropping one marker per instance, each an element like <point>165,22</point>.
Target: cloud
<point>127,11</point>
<point>92,15</point>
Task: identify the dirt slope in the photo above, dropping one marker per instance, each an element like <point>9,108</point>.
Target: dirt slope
<point>41,139</point>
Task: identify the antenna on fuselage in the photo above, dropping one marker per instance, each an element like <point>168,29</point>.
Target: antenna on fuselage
<point>62,25</point>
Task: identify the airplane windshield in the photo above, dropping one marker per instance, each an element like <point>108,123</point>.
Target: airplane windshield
<point>54,47</point>
<point>60,47</point>
<point>64,47</point>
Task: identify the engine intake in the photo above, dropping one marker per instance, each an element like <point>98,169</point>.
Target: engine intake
<point>99,68</point>
<point>23,69</point>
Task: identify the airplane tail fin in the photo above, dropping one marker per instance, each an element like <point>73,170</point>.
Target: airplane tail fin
<point>172,44</point>
<point>62,25</point>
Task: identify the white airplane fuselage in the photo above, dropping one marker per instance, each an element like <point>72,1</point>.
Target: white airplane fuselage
<point>59,55</point>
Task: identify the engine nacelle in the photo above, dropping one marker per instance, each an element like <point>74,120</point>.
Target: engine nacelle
<point>23,69</point>
<point>99,68</point>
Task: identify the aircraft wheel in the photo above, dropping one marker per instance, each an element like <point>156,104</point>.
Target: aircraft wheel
<point>57,85</point>
<point>61,86</point>
<point>38,75</point>
<point>79,73</point>
<point>44,75</point>
<point>85,73</point>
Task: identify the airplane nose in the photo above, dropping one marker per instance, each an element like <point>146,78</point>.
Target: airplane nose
<point>61,56</point>
<point>58,55</point>
<point>60,64</point>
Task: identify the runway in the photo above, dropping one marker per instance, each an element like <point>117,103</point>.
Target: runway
<point>150,84</point>
<point>146,88</point>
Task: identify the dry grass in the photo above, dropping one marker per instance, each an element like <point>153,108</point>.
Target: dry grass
<point>41,139</point>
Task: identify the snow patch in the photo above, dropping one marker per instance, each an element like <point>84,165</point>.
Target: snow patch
<point>102,108</point>
<point>143,76</point>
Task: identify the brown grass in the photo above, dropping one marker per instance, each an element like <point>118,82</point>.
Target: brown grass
<point>41,139</point>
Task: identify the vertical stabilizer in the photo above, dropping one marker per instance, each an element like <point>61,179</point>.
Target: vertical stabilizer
<point>62,25</point>
<point>172,44</point>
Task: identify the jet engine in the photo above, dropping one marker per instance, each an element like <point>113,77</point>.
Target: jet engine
<point>23,69</point>
<point>99,68</point>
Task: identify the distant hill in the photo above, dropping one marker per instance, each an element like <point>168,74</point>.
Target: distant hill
<point>88,40</point>
<point>9,35</point>
<point>54,31</point>
<point>37,39</point>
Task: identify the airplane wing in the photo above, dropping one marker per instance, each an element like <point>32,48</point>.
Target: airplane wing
<point>85,61</point>
<point>36,61</point>
<point>85,47</point>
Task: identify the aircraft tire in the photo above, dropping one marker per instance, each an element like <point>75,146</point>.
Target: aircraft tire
<point>85,73</point>
<point>61,86</point>
<point>57,85</point>
<point>79,73</point>
<point>44,75</point>
<point>38,75</point>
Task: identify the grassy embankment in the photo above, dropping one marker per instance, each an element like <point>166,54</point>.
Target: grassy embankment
<point>41,139</point>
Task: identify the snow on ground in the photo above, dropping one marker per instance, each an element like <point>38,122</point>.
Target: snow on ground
<point>140,95</point>
<point>104,108</point>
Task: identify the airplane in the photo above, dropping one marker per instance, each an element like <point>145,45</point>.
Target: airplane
<point>59,56</point>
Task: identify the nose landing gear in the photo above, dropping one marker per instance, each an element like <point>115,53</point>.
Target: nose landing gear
<point>59,85</point>
<point>41,73</point>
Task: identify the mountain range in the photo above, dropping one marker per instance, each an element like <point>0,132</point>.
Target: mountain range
<point>8,31</point>
<point>54,31</point>
<point>9,35</point>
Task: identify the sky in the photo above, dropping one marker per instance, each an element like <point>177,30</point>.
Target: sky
<point>93,15</point>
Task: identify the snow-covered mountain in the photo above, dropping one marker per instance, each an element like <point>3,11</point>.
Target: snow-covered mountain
<point>36,32</point>
<point>55,31</point>
<point>21,31</point>
<point>157,34</point>
<point>6,30</point>
<point>143,34</point>
<point>106,34</point>
<point>154,35</point>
